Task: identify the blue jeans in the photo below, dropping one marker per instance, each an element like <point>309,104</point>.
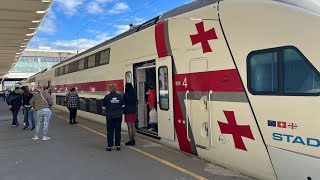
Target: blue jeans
<point>28,115</point>
<point>114,128</point>
<point>15,116</point>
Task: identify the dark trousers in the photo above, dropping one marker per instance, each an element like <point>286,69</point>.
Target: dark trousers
<point>73,114</point>
<point>15,116</point>
<point>114,128</point>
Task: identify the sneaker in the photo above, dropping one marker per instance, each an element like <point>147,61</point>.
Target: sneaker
<point>45,138</point>
<point>118,148</point>
<point>17,124</point>
<point>32,128</point>
<point>108,148</point>
<point>35,137</point>
<point>25,128</point>
<point>75,122</point>
<point>133,143</point>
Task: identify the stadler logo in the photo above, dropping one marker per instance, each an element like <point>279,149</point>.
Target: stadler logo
<point>313,142</point>
<point>114,100</point>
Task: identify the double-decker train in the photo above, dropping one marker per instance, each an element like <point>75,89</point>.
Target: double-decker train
<point>237,82</point>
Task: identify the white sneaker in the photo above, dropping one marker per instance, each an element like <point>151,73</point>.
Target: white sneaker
<point>45,138</point>
<point>35,138</point>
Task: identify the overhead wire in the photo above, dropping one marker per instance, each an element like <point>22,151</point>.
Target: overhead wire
<point>135,12</point>
<point>106,8</point>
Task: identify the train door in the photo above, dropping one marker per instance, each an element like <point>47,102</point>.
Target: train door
<point>145,82</point>
<point>165,97</point>
<point>198,104</point>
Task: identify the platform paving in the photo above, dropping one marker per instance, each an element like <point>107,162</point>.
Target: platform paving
<point>75,152</point>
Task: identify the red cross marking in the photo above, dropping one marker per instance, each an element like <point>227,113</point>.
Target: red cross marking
<point>203,37</point>
<point>236,130</point>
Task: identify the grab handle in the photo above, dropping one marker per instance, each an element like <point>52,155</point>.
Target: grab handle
<point>210,119</point>
<point>187,118</point>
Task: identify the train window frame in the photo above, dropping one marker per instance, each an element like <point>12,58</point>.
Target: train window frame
<point>163,109</point>
<point>280,64</point>
<point>108,50</point>
<point>91,61</point>
<point>80,61</point>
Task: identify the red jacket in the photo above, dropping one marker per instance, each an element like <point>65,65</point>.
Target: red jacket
<point>152,98</point>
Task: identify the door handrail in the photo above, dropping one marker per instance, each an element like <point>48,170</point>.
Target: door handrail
<point>210,120</point>
<point>187,116</point>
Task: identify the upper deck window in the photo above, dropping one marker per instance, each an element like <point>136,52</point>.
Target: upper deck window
<point>282,71</point>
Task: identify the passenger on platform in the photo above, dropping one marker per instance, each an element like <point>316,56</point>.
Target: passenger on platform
<point>42,103</point>
<point>113,105</point>
<point>130,112</point>
<point>28,114</point>
<point>72,101</point>
<point>14,100</point>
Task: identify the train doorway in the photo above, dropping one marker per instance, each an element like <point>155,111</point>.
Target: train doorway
<point>146,89</point>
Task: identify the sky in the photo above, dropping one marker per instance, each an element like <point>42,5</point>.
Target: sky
<point>82,24</point>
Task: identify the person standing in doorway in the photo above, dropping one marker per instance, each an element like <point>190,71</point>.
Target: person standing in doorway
<point>42,103</point>
<point>28,114</point>
<point>14,100</point>
<point>152,98</point>
<point>72,100</point>
<point>130,112</point>
<point>113,105</point>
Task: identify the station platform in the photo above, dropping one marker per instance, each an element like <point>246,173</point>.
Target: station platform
<point>77,152</point>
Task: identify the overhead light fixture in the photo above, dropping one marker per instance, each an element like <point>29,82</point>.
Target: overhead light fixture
<point>20,49</point>
<point>26,39</point>
<point>18,53</point>
<point>22,46</point>
<point>31,34</point>
<point>24,43</point>
<point>36,21</point>
<point>46,1</point>
<point>32,28</point>
<point>16,59</point>
<point>41,12</point>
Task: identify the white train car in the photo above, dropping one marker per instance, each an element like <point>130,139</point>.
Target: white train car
<point>237,82</point>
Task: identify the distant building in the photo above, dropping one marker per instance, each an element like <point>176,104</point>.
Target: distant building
<point>33,61</point>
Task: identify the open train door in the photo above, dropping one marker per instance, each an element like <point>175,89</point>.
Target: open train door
<point>165,98</point>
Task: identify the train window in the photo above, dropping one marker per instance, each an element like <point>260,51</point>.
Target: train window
<point>74,66</point>
<point>61,71</point>
<point>163,88</point>
<point>91,61</point>
<point>282,71</point>
<point>57,72</point>
<point>81,64</point>
<point>263,73</point>
<point>105,57</point>
<point>128,77</point>
<point>299,76</point>
<point>66,69</point>
<point>97,60</point>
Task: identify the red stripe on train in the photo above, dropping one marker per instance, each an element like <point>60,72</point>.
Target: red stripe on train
<point>160,40</point>
<point>91,86</point>
<point>219,81</point>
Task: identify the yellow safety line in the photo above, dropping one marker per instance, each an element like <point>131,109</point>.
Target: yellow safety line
<point>147,154</point>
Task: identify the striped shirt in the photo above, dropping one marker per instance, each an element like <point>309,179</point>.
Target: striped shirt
<point>72,100</point>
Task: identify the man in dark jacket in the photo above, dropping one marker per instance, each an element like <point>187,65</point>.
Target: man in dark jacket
<point>14,100</point>
<point>113,105</point>
<point>28,114</point>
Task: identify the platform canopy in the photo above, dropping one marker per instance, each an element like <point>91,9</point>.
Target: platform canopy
<point>19,21</point>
